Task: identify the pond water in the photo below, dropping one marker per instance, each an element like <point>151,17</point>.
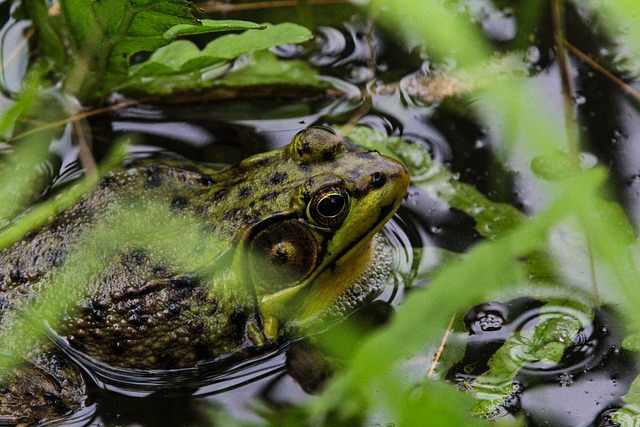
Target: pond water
<point>355,54</point>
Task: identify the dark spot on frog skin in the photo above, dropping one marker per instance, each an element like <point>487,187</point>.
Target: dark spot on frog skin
<point>196,325</point>
<point>219,195</point>
<point>277,178</point>
<point>263,162</point>
<point>233,214</point>
<point>269,196</point>
<point>304,148</point>
<point>92,313</point>
<point>96,315</point>
<point>57,258</point>
<point>244,192</point>
<point>304,167</point>
<point>160,271</point>
<point>16,275</point>
<point>173,310</point>
<point>107,181</point>
<point>206,180</point>
<point>178,203</point>
<point>365,154</point>
<point>136,320</point>
<point>153,177</point>
<point>136,257</point>
<point>185,280</point>
<point>378,179</point>
<point>30,235</point>
<point>328,155</point>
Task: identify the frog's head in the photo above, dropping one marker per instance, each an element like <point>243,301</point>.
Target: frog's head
<point>316,241</point>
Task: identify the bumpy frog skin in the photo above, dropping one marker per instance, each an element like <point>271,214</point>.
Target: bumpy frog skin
<point>282,238</point>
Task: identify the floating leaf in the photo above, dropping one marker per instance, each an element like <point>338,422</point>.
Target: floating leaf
<point>210,26</point>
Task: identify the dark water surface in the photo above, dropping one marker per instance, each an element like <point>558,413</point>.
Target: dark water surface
<point>351,51</point>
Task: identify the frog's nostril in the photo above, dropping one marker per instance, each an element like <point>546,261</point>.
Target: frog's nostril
<point>378,179</point>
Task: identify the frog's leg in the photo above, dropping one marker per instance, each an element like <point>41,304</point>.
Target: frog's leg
<point>47,387</point>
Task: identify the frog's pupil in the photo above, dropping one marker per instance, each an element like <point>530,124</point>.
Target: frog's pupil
<point>331,205</point>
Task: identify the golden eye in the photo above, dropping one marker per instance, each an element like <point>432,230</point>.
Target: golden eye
<point>329,206</point>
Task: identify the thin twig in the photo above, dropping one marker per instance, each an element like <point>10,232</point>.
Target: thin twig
<point>441,347</point>
<point>599,68</point>
<point>16,50</point>
<point>74,119</point>
<point>210,7</point>
<point>360,113</point>
<point>85,154</point>
<point>557,14</point>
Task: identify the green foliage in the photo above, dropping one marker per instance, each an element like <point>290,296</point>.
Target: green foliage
<point>169,65</point>
<point>104,36</point>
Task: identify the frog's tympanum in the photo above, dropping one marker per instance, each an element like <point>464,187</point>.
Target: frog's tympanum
<point>166,264</point>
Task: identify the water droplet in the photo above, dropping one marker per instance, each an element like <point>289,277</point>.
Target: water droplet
<point>565,379</point>
<point>490,322</point>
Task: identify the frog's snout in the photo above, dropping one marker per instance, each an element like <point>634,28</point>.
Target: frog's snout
<point>393,177</point>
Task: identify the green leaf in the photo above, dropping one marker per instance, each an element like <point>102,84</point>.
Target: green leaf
<point>81,21</point>
<point>210,26</point>
<point>110,14</point>
<point>183,66</point>
<point>154,18</point>
<point>233,45</point>
<point>456,37</point>
<point>48,39</point>
<point>179,56</point>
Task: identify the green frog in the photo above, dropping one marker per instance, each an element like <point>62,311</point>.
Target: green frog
<point>166,264</point>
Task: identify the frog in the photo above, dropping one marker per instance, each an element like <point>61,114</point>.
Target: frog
<point>169,265</point>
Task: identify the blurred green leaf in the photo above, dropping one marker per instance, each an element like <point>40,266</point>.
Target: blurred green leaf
<point>443,31</point>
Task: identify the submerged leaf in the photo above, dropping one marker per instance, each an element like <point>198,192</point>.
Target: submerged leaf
<point>546,342</point>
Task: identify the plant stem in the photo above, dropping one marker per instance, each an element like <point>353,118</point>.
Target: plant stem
<point>48,40</point>
<point>557,15</point>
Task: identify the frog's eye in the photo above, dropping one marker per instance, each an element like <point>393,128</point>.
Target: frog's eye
<point>329,206</point>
